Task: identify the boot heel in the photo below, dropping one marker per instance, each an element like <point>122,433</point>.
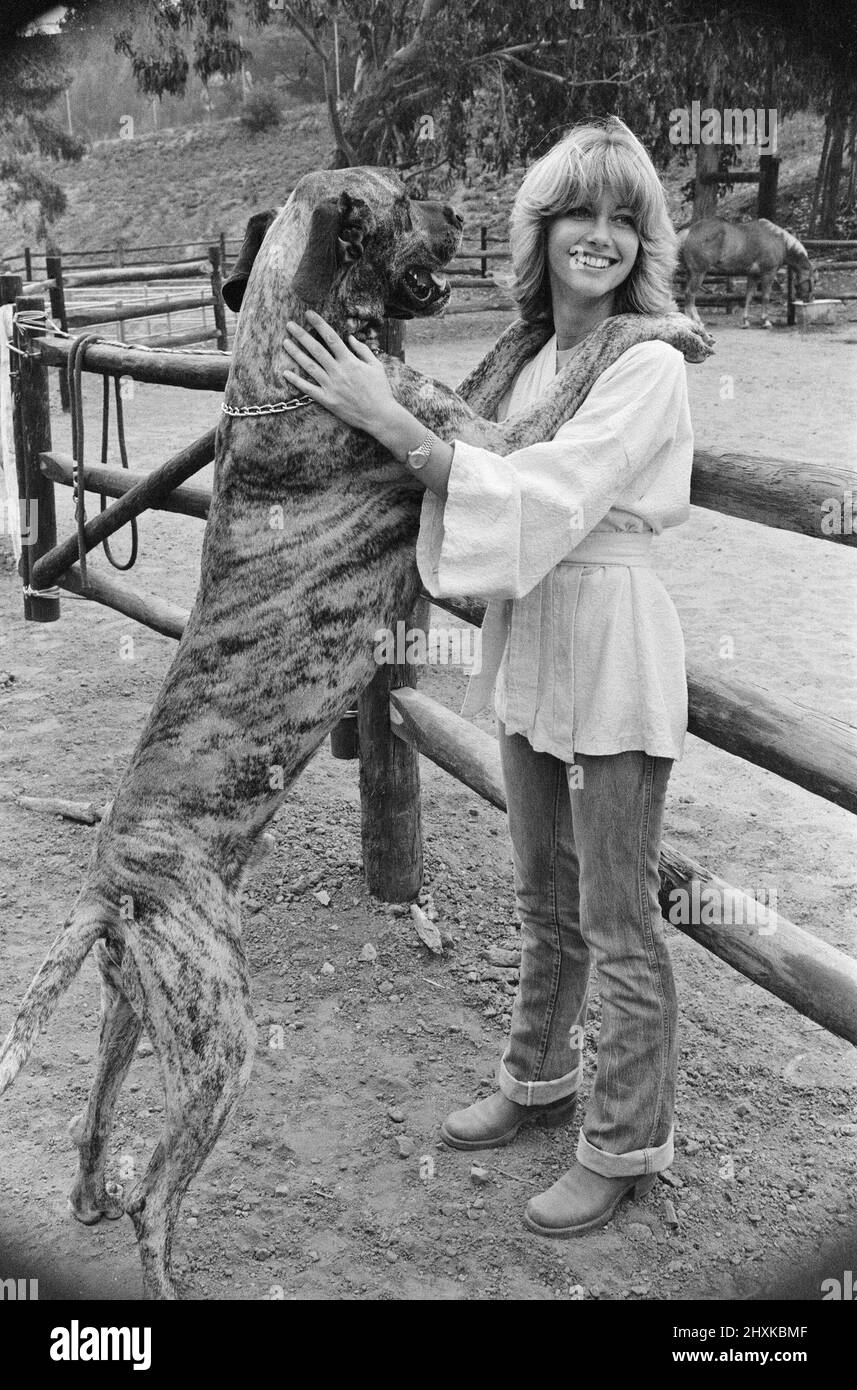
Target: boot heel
<point>563,1114</point>
<point>644,1184</point>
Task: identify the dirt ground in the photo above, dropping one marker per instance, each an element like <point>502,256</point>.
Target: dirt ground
<point>330,1181</point>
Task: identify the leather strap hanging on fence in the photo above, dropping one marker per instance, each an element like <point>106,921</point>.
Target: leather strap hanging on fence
<point>74,369</point>
<point>123,454</point>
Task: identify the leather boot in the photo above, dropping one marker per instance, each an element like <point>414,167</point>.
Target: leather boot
<point>495,1121</point>
<point>582,1200</point>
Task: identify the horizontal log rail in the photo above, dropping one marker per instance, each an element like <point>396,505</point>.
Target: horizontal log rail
<point>156,484</point>
<point>800,496</point>
<point>731,176</point>
<point>190,335</point>
<point>119,312</point>
<point>480,254</point>
<point>115,482</point>
<point>194,372</point>
<point>815,751</point>
<point>790,963</point>
<point>133,274</point>
<point>156,613</point>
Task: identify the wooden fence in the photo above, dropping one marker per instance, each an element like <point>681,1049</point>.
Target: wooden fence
<point>396,722</point>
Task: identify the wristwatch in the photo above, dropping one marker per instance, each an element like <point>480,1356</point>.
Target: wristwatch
<point>419,457</point>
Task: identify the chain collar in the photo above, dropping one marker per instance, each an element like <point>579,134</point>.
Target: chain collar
<point>273,408</point>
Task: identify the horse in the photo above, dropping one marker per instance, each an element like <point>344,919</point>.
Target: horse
<point>755,249</point>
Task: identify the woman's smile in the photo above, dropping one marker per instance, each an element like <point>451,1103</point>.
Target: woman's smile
<point>587,260</point>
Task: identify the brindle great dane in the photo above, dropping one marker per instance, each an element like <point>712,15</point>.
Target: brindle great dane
<point>309,549</point>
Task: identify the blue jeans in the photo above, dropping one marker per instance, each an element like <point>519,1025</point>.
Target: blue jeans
<point>586,844</point>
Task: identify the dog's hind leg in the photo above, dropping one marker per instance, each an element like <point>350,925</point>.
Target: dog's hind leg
<point>89,1200</point>
<point>205,1039</point>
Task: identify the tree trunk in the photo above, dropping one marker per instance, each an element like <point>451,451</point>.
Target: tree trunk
<point>819,178</point>
<point>851,194</point>
<point>833,171</point>
<point>394,93</point>
<point>705,194</point>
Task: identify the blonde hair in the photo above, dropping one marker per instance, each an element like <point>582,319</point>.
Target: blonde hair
<point>590,157</point>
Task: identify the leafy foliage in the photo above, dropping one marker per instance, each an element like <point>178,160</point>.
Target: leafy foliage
<point>261,110</point>
<point>31,78</point>
<point>501,78</point>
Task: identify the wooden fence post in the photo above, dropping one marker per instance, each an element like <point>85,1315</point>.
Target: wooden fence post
<point>790,297</point>
<point>53,268</point>
<point>222,243</point>
<point>214,255</point>
<point>28,263</point>
<point>769,168</point>
<point>483,242</point>
<point>32,405</point>
<point>391,823</point>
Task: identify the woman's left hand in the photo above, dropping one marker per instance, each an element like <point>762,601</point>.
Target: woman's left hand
<point>346,378</point>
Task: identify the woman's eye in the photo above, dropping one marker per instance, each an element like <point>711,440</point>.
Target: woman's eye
<point>625,217</point>
<point>579,213</point>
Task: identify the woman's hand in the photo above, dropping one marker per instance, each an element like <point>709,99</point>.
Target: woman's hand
<point>346,378</point>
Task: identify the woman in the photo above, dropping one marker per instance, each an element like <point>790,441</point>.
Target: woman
<point>591,695</point>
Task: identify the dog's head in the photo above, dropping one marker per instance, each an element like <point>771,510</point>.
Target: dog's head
<point>351,244</point>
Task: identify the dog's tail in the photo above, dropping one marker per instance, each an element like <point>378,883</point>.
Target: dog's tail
<point>87,922</point>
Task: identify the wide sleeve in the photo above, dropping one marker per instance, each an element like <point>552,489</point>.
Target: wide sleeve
<point>508,520</point>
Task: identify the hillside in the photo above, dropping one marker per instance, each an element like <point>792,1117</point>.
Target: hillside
<point>184,183</point>
<point>173,184</point>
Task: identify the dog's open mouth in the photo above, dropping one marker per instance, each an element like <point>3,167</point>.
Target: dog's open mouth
<point>420,289</point>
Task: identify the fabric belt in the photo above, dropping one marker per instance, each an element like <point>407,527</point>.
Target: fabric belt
<point>631,549</point>
<point>613,548</point>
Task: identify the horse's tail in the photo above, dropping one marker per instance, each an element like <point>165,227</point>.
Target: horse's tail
<point>87,922</point>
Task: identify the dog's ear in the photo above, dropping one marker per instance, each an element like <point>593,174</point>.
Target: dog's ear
<point>233,288</point>
<point>338,229</point>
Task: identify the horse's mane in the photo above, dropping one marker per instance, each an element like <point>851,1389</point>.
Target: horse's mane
<point>791,242</point>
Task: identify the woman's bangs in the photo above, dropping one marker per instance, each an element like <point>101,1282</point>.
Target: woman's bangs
<point>608,165</point>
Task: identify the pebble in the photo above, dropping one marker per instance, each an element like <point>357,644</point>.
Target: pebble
<point>322,896</point>
<point>282,1189</point>
<point>392,1257</point>
<point>639,1231</point>
<point>328,969</point>
<point>670,1215</point>
<point>691,1146</point>
<point>405,1145</point>
<point>479,1175</point>
<point>745,1108</point>
<point>368,952</point>
<point>671,1178</point>
<point>396,1115</point>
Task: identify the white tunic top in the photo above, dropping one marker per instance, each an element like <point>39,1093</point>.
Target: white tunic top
<point>580,636</point>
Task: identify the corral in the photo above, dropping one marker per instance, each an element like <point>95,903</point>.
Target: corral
<point>413,991</point>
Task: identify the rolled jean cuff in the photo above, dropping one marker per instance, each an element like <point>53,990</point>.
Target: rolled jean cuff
<point>629,1165</point>
<point>538,1092</point>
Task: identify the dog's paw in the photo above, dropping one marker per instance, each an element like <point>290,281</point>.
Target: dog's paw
<point>692,339</point>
